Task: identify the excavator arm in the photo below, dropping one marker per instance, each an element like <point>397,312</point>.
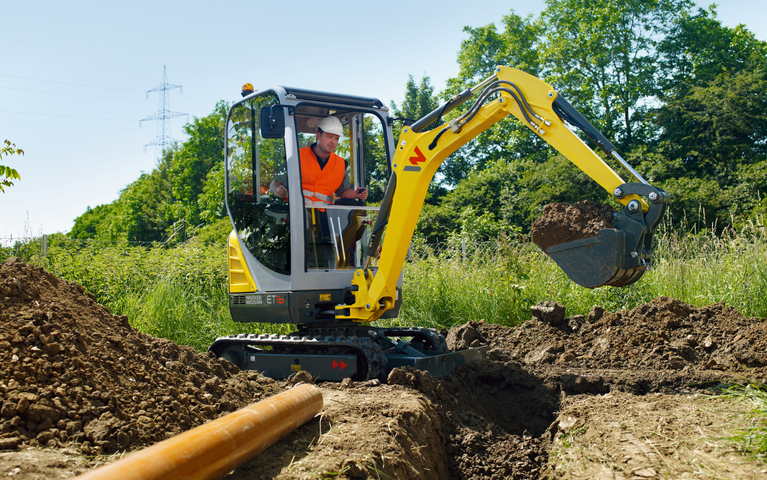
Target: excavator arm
<point>614,257</point>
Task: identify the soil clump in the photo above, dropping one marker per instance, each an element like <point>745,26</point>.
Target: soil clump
<point>566,222</point>
<point>665,335</point>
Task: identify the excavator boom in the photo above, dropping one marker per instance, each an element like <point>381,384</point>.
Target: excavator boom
<point>614,257</point>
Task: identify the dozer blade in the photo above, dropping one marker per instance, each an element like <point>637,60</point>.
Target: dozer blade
<point>615,256</point>
<point>438,364</point>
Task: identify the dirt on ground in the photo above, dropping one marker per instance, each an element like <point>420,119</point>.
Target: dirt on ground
<point>77,375</point>
<point>607,395</point>
<point>566,222</point>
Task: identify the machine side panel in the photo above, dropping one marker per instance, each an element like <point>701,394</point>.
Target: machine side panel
<point>273,307</point>
<point>304,307</point>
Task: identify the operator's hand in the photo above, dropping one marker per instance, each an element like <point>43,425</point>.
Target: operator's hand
<point>362,193</point>
<point>279,190</point>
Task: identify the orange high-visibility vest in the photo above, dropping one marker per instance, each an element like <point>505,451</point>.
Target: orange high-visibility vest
<point>319,184</point>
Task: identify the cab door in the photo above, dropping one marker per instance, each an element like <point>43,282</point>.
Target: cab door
<point>261,221</point>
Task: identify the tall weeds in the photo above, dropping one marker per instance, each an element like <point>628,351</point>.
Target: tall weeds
<point>500,280</point>
<point>180,292</point>
<point>176,292</point>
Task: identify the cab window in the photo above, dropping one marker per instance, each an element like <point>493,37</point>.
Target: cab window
<point>337,232</point>
<point>252,162</point>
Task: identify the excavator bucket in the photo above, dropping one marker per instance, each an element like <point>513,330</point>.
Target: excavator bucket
<point>616,256</point>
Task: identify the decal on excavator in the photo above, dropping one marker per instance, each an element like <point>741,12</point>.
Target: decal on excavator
<point>418,157</point>
<point>340,365</point>
<point>265,299</point>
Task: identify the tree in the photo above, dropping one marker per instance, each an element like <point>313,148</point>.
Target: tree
<point>190,163</point>
<point>419,102</point>
<point>7,174</point>
<point>711,146</point>
<point>679,94</point>
<point>184,189</point>
<point>518,45</point>
<point>599,54</point>
<point>602,56</point>
<point>713,116</point>
<point>718,127</point>
<point>95,223</point>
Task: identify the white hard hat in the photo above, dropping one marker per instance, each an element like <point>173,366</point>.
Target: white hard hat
<point>331,125</point>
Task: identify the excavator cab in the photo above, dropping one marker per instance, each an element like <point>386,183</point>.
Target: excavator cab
<point>295,257</point>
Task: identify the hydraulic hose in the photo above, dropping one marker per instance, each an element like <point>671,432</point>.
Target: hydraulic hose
<point>563,108</point>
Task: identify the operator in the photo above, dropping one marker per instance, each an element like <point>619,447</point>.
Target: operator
<point>323,173</point>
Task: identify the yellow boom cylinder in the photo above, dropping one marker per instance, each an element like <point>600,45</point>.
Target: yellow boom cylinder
<point>212,450</point>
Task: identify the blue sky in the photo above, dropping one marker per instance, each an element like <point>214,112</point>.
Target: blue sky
<point>74,76</point>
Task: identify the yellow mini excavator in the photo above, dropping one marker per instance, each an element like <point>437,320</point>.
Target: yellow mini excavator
<point>332,269</point>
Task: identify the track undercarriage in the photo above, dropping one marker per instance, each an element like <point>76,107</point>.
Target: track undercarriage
<point>350,351</point>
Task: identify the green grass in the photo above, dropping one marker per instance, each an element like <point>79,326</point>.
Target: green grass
<point>751,441</point>
<point>500,280</point>
<point>180,293</point>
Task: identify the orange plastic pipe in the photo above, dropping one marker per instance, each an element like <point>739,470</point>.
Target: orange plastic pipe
<point>212,450</point>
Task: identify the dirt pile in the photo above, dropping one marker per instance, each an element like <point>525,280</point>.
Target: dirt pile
<point>73,372</point>
<point>566,222</point>
<point>366,430</point>
<point>77,375</point>
<point>503,414</point>
<point>665,334</point>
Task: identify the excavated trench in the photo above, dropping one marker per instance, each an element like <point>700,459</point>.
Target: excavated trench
<point>497,419</point>
<point>82,379</point>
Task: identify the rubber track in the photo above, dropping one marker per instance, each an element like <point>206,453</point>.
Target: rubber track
<point>374,357</point>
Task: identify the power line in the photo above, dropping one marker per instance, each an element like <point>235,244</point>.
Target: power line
<point>62,93</point>
<point>75,84</point>
<point>70,116</point>
<point>81,150</point>
<point>188,98</point>
<point>65,126</point>
<point>86,154</point>
<point>78,52</point>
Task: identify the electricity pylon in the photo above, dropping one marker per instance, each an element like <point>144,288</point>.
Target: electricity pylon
<point>163,115</point>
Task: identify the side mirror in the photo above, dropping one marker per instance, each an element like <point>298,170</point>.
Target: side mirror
<point>272,122</point>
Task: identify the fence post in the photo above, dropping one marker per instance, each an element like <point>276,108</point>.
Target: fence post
<point>45,245</point>
<point>463,248</point>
